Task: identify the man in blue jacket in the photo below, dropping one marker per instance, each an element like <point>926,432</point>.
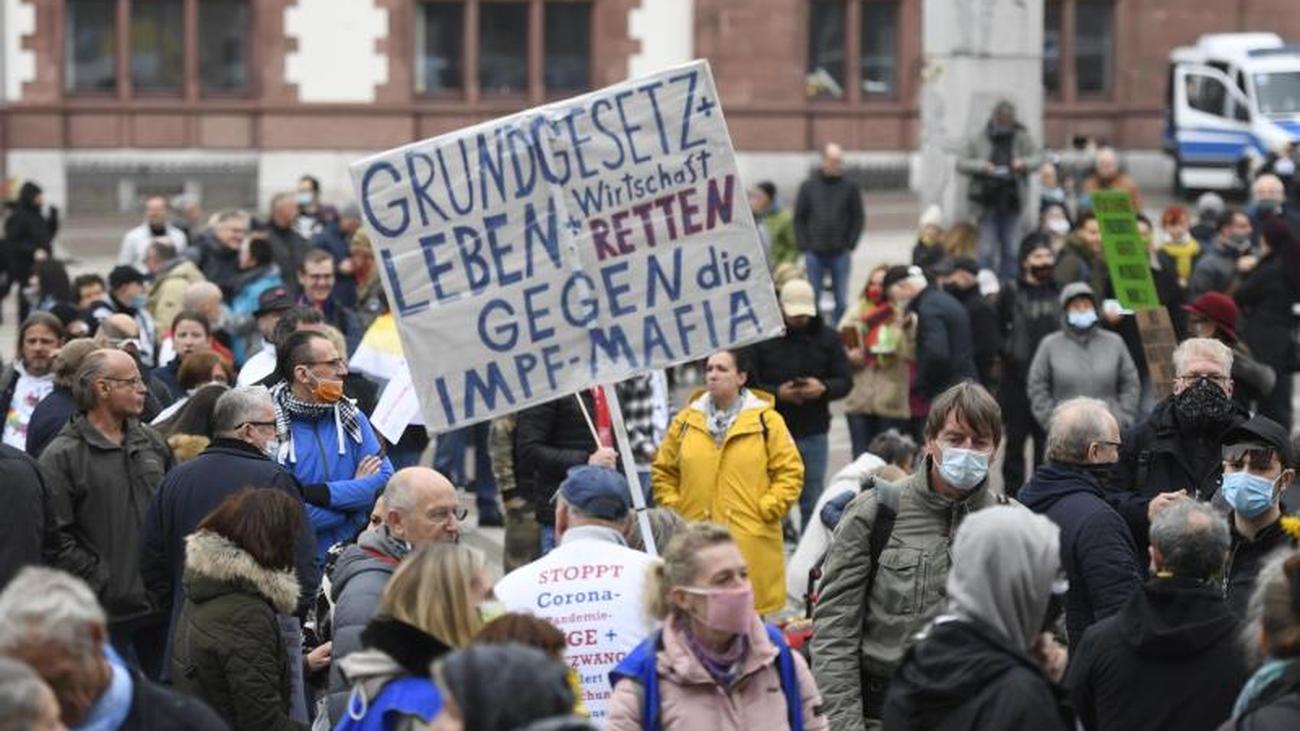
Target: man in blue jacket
<point>325,439</point>
<point>1097,549</point>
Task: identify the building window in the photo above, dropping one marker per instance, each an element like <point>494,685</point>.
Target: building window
<point>161,46</point>
<point>1092,46</point>
<point>223,46</point>
<point>878,52</point>
<point>1052,48</point>
<point>511,37</point>
<point>438,36</point>
<point>826,22</point>
<point>157,45</point>
<point>503,48</point>
<point>567,37</point>
<point>90,50</point>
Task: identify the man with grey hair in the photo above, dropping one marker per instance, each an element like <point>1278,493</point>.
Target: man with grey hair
<point>1177,448</point>
<point>240,455</point>
<point>216,250</point>
<point>102,470</point>
<point>1097,550</point>
<point>288,247</point>
<point>54,624</point>
<point>1170,658</point>
<point>420,508</point>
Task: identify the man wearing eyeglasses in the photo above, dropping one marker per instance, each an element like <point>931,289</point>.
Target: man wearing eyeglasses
<point>1097,550</point>
<point>420,508</point>
<point>244,440</point>
<point>1177,449</point>
<point>1258,466</point>
<point>102,470</point>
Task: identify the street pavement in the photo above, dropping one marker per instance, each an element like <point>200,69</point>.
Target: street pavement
<point>91,246</point>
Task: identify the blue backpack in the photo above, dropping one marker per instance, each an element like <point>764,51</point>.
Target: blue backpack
<point>640,666</point>
<point>406,696</point>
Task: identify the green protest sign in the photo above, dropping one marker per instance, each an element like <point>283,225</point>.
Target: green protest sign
<point>1126,254</point>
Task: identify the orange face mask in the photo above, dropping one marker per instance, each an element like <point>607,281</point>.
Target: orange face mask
<point>328,390</point>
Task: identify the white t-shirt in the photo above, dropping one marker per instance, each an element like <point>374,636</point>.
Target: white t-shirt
<point>27,393</point>
<point>591,587</point>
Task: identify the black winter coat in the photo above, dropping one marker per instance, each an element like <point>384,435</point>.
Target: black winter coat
<point>828,215</point>
<point>49,416</point>
<point>814,352</point>
<point>26,510</point>
<point>549,439</point>
<point>945,352</point>
<point>1097,549</point>
<point>26,231</point>
<point>1246,558</point>
<point>986,335</point>
<point>217,262</point>
<point>1170,660</point>
<point>155,707</point>
<point>1027,313</point>
<point>1157,456</point>
<point>193,489</point>
<point>958,679</point>
<point>229,651</point>
<point>1265,298</point>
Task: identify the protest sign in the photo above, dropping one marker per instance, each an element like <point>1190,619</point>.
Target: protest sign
<point>1158,343</point>
<point>569,245</point>
<point>1127,258</point>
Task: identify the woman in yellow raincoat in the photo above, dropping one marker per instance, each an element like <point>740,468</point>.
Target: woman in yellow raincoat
<point>729,458</point>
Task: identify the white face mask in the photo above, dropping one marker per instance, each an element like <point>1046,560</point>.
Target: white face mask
<point>964,469</point>
<point>1058,226</point>
<point>271,448</point>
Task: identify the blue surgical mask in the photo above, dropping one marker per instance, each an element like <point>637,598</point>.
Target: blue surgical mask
<point>1249,495</point>
<point>963,469</point>
<point>1082,320</point>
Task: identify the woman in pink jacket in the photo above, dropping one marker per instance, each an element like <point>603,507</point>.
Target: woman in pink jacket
<point>714,665</point>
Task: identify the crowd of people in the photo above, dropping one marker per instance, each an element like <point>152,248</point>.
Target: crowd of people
<point>208,532</point>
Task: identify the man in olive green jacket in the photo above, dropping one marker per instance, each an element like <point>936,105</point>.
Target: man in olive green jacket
<point>858,639</point>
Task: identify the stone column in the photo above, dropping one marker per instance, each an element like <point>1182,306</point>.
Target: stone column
<point>975,52</point>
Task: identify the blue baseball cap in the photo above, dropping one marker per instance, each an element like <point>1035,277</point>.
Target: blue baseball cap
<point>597,491</point>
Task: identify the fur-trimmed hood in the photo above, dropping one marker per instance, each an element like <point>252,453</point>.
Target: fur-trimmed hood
<point>215,566</point>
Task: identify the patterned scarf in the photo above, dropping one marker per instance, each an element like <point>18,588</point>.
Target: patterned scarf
<point>288,408</point>
<point>720,420</point>
<point>723,667</point>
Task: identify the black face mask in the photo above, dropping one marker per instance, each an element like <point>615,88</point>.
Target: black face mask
<point>958,292</point>
<point>1203,405</point>
<point>1042,273</point>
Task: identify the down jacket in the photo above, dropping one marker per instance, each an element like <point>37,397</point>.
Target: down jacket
<point>228,649</point>
<point>690,699</point>
<point>747,484</point>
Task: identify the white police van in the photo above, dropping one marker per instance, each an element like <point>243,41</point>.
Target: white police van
<point>1233,98</point>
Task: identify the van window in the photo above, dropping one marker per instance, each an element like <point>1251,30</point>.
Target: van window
<point>1279,93</point>
<point>1207,94</point>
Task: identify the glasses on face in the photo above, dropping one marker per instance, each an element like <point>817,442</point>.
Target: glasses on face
<point>257,423</point>
<point>443,515</point>
<point>337,364</point>
<point>136,382</point>
<point>1216,379</point>
<point>1250,456</point>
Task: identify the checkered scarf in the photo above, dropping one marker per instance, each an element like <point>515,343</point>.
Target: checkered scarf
<point>287,407</point>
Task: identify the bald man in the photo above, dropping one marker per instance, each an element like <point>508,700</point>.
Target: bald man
<point>420,508</point>
<point>120,331</point>
<point>828,219</point>
<point>1269,199</point>
<point>102,470</point>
